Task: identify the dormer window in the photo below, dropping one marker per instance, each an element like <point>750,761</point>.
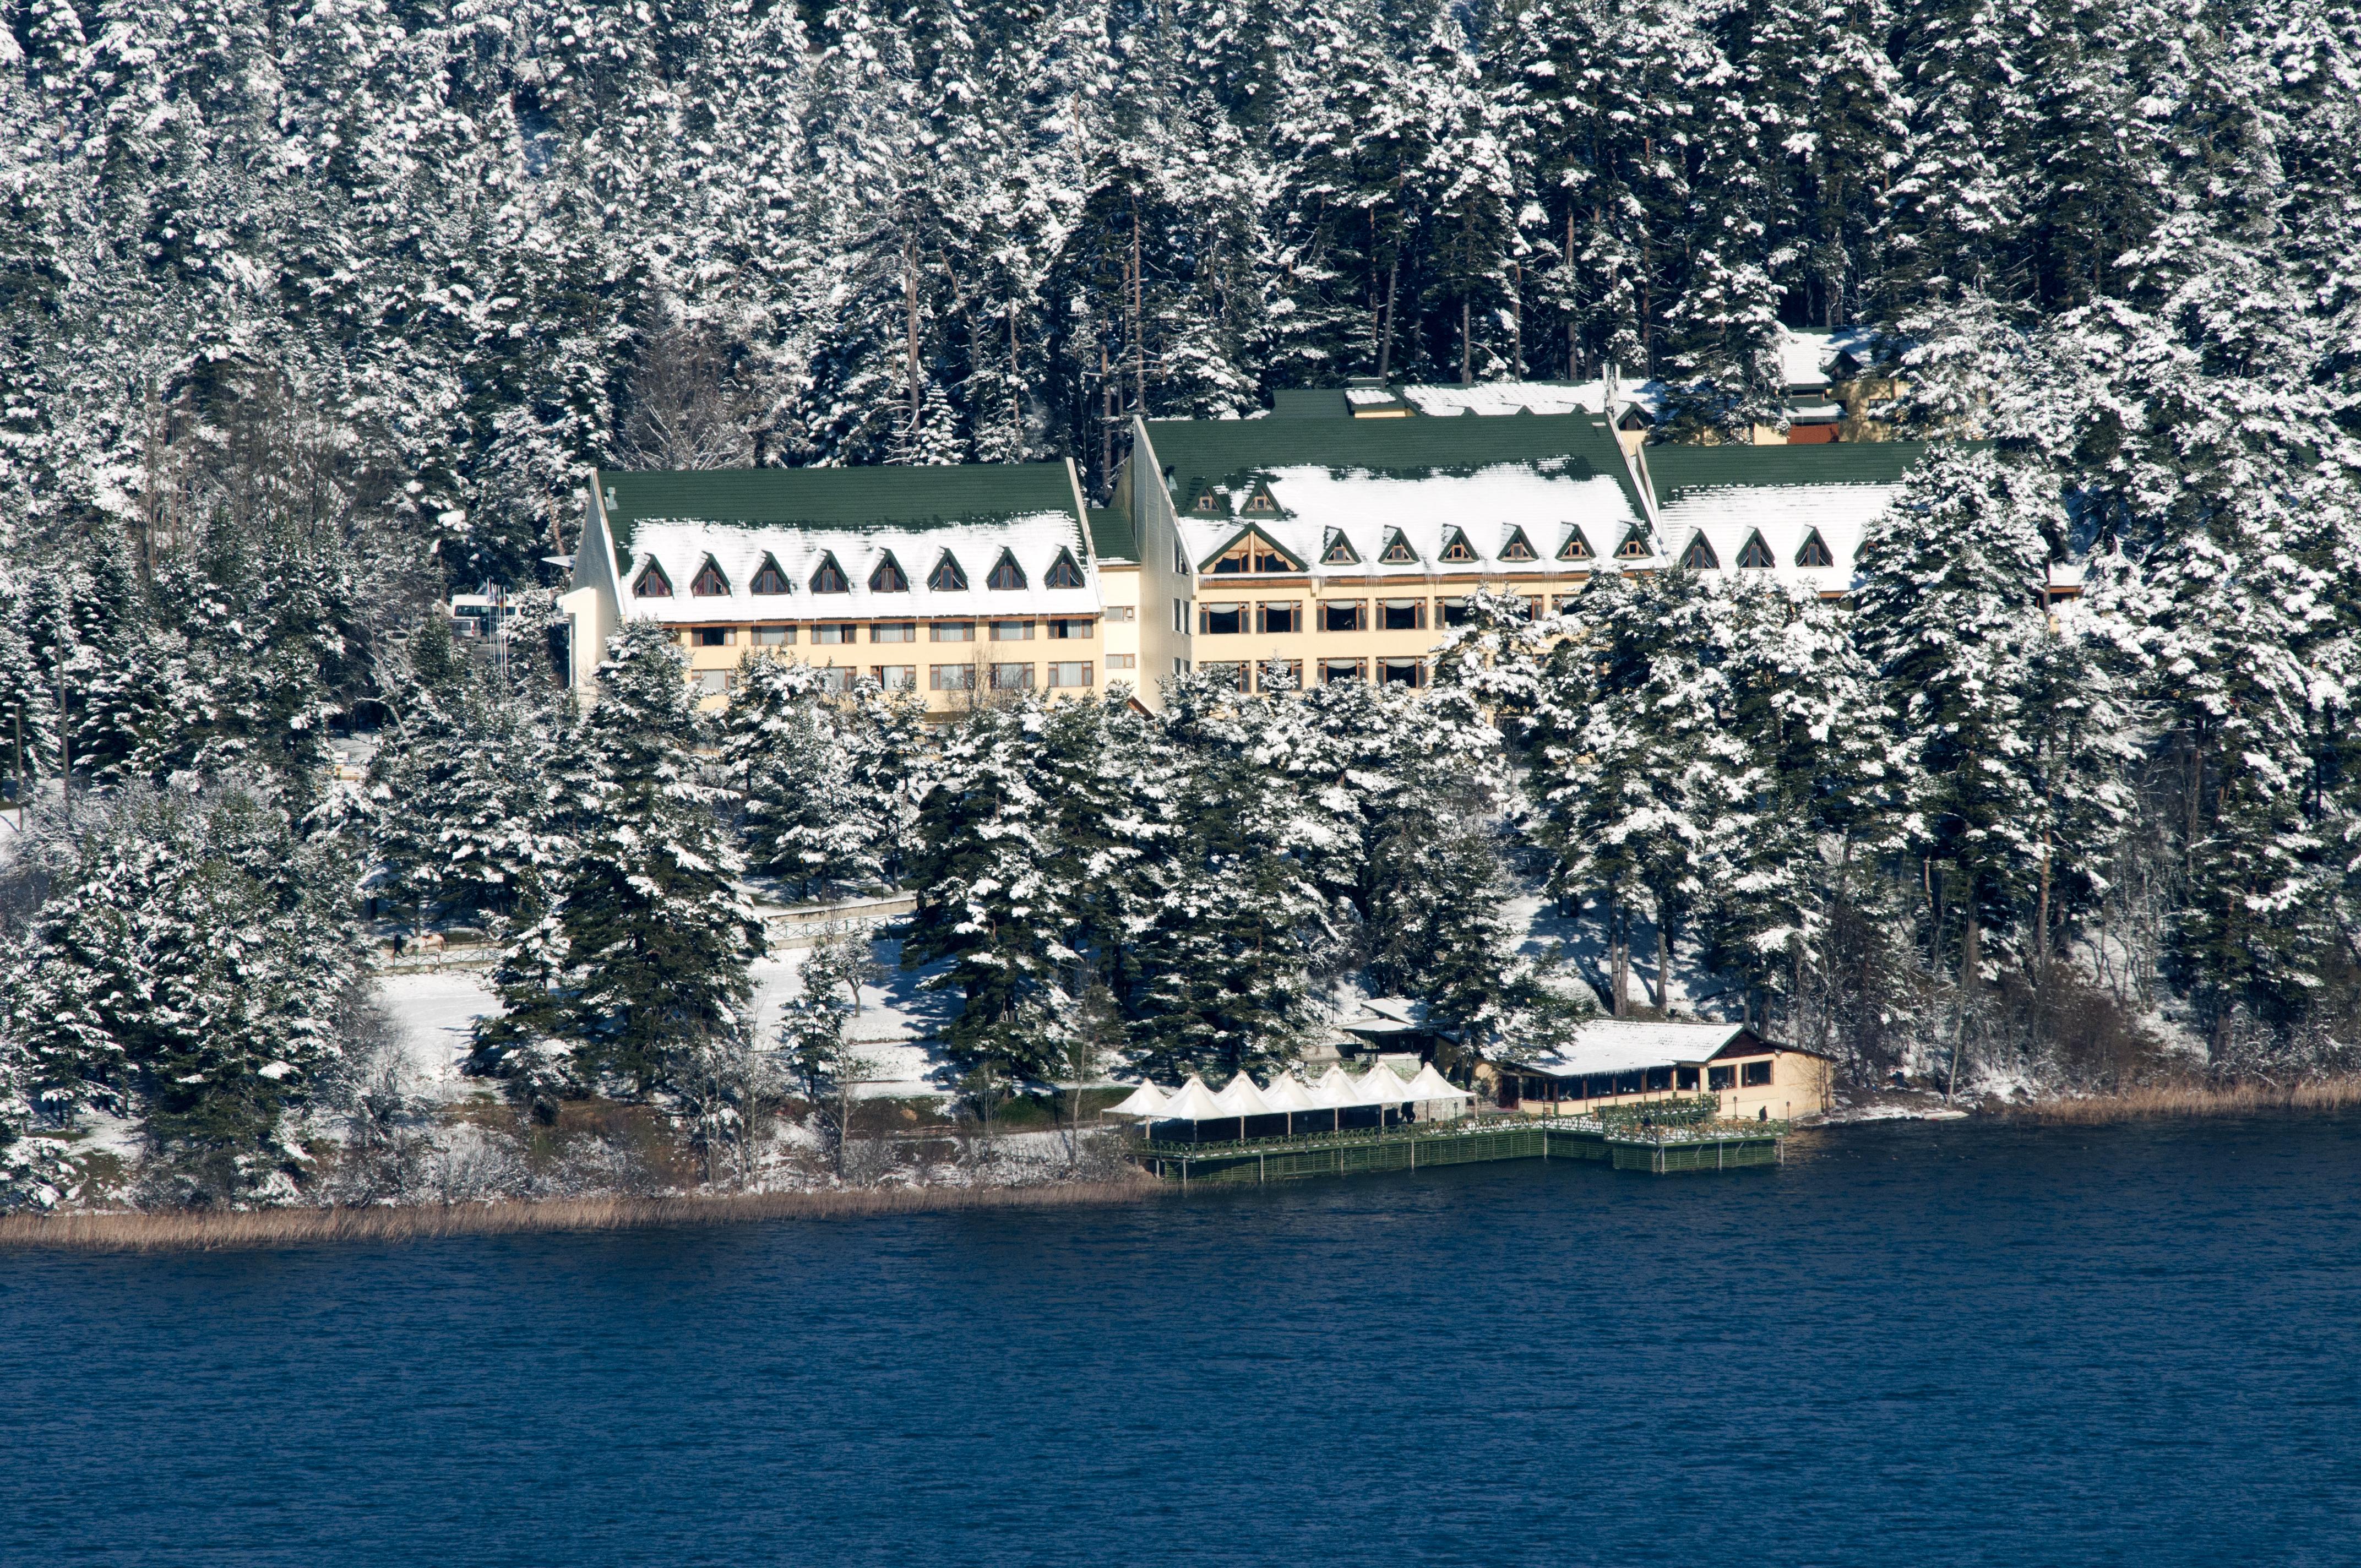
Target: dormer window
<point>1253,552</point>
<point>947,577</point>
<point>709,583</point>
<point>1699,555</point>
<point>1339,552</point>
<point>653,583</point>
<point>1634,547</point>
<point>1518,548</point>
<point>1209,503</point>
<point>1456,548</point>
<point>888,577</point>
<point>1006,574</point>
<point>1261,500</point>
<point>1398,551</point>
<point>1754,555</point>
<point>1064,573</point>
<point>1575,548</point>
<point>768,578</point>
<point>831,577</point>
<point>1813,552</point>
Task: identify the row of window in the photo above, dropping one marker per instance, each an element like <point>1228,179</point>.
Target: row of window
<point>948,578</point>
<point>1062,676</point>
<point>1256,553</point>
<point>830,633</point>
<point>1646,1080</point>
<point>1286,675</point>
<point>1278,618</point>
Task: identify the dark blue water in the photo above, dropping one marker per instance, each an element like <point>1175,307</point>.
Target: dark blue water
<point>1914,1344</point>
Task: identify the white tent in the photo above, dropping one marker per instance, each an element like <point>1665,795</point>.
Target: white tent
<point>1286,1093</point>
<point>1239,1097</point>
<point>1147,1101</point>
<point>1335,1088</point>
<point>1432,1085</point>
<point>1381,1086</point>
<point>1193,1102</point>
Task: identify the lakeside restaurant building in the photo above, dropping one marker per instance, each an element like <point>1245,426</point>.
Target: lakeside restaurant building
<point>1619,1062</point>
<point>1290,549</point>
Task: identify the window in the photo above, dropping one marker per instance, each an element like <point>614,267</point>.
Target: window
<point>1334,670</point>
<point>1454,612</point>
<point>1220,619</point>
<point>896,677</point>
<point>1398,551</point>
<point>1124,612</point>
<point>1686,1077</point>
<point>1401,672</point>
<point>1659,1077</point>
<point>1754,1074</point>
<point>954,630</point>
<point>1012,631</point>
<point>835,678</point>
<point>831,577</point>
<point>1071,673</point>
<point>1122,661</point>
<point>1071,631</point>
<point>774,636</point>
<point>947,577</point>
<point>1343,615</point>
<point>951,677</point>
<point>1208,501</point>
<point>1720,1078</point>
<point>1634,547</point>
<point>709,583</point>
<point>1279,674</point>
<point>1179,559</point>
<point>1575,548</point>
<point>1006,574</point>
<point>894,631</point>
<point>1456,548</point>
<point>1261,500</point>
<point>1063,573</point>
<point>1813,552</point>
<point>1180,615</point>
<point>1253,552</point>
<point>888,578</point>
<point>769,579</point>
<point>1754,555</point>
<point>1518,548</point>
<point>1339,552</point>
<point>1279,619</point>
<point>1225,674</point>
<point>1402,615</point>
<point>653,583</point>
<point>1561,603</point>
<point>714,636</point>
<point>1699,555</point>
<point>712,683</point>
<point>1011,677</point>
<point>834,633</point>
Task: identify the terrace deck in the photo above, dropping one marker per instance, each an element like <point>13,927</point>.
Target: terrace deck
<point>1659,1151</point>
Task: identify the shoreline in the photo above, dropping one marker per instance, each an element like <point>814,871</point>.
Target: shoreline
<point>2190,1100</point>
<point>207,1230</point>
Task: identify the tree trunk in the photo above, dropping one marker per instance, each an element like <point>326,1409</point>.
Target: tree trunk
<point>910,313</point>
<point>1386,338</point>
<point>1466,342</point>
<point>1015,391</point>
<point>1967,980</point>
<point>1663,962</point>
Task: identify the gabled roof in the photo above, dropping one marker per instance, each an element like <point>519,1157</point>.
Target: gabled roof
<point>1615,1044</point>
<point>838,499</point>
<point>1726,494</point>
<point>1112,537</point>
<point>1675,470</point>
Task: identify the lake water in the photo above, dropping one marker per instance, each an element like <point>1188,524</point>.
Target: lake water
<point>1915,1343</point>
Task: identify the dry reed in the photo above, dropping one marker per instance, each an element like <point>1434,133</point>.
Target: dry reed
<point>2169,1099</point>
<point>208,1230</point>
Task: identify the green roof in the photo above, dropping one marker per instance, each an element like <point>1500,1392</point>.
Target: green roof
<point>850,498</point>
<point>1673,469</point>
<point>1310,402</point>
<point>1113,538</point>
<point>1206,451</point>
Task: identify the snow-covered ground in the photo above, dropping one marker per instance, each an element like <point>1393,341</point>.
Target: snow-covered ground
<point>434,1015</point>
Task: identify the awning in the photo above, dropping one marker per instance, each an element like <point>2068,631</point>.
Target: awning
<point>1145,1101</point>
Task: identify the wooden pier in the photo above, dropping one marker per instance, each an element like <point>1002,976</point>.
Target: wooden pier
<point>1425,1144</point>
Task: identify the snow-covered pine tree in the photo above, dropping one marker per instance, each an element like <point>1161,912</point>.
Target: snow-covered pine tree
<point>643,947</point>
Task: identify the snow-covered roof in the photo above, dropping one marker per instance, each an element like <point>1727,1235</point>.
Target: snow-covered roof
<point>741,521</point>
<point>1615,1044</point>
<point>1787,494</point>
<point>1805,358</point>
<point>1499,398</point>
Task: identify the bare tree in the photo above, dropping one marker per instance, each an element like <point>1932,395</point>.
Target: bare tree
<point>685,406</point>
